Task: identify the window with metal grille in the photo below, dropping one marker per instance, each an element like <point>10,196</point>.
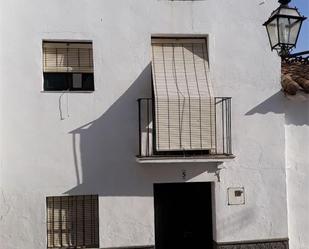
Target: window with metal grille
<point>68,66</point>
<point>72,222</point>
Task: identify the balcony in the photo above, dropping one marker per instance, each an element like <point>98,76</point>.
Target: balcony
<point>219,142</point>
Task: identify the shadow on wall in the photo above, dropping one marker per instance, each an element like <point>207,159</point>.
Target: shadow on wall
<point>295,109</point>
<point>109,144</point>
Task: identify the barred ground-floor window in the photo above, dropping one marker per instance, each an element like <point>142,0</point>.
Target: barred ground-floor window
<point>72,221</point>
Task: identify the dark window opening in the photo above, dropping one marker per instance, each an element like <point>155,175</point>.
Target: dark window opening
<point>186,153</point>
<point>68,82</point>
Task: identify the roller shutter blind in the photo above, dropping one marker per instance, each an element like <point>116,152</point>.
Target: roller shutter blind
<point>67,57</point>
<point>72,222</point>
<point>184,103</point>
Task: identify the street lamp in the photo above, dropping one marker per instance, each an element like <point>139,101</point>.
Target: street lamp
<point>283,28</point>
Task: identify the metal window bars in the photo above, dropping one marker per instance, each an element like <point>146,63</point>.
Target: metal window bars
<point>72,221</point>
<point>221,131</point>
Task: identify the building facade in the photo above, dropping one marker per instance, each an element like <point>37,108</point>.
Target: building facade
<point>73,136</point>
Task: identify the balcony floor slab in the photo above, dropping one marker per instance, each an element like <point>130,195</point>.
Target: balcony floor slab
<point>199,159</point>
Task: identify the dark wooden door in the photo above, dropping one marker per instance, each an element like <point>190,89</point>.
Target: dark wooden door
<point>183,216</point>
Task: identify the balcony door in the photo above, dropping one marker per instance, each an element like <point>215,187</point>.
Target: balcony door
<point>183,216</point>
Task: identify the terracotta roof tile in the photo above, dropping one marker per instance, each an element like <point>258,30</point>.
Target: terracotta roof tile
<point>295,77</point>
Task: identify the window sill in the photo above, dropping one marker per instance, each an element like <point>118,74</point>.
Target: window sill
<point>131,247</point>
<point>180,159</point>
<point>66,91</point>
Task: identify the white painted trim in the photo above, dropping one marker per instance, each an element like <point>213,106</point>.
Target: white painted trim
<point>66,91</point>
<point>184,160</point>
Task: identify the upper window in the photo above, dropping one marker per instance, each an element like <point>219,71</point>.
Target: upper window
<point>68,66</point>
<point>72,222</point>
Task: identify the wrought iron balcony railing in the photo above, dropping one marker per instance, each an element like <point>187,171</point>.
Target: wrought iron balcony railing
<point>221,144</point>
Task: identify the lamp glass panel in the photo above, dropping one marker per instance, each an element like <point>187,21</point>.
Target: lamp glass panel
<point>295,26</point>
<point>284,30</point>
<point>288,11</point>
<point>272,30</point>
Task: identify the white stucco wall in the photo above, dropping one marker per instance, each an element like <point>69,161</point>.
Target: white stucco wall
<point>297,138</point>
<point>85,143</point>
